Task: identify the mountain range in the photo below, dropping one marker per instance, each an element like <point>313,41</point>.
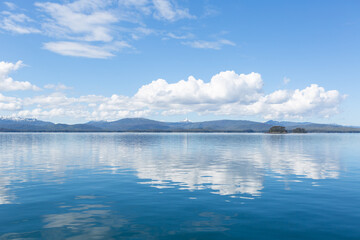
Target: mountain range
<point>147,125</point>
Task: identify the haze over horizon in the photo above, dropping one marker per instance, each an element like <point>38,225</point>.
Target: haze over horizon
<point>77,61</point>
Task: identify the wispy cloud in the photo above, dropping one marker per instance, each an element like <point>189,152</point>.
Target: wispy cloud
<point>84,24</point>
<point>166,10</point>
<point>286,80</point>
<point>217,45</point>
<point>17,23</point>
<point>161,9</point>
<point>180,36</point>
<point>57,87</point>
<point>94,28</point>
<point>78,20</point>
<point>141,32</point>
<point>79,49</point>
<point>10,5</point>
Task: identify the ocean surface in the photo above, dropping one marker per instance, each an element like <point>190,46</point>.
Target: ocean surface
<point>179,186</point>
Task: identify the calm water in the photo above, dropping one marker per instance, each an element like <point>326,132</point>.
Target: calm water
<point>179,186</point>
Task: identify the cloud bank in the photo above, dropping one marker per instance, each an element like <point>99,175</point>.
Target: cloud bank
<point>226,93</point>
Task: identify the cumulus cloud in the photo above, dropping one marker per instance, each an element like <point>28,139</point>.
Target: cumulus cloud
<point>313,100</point>
<point>225,87</point>
<point>217,45</point>
<point>9,103</point>
<point>227,93</point>
<point>50,101</point>
<point>7,83</point>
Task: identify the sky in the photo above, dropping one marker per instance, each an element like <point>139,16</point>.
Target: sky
<point>73,61</point>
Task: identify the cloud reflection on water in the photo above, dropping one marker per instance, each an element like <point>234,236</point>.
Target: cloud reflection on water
<point>227,164</point>
<point>236,169</point>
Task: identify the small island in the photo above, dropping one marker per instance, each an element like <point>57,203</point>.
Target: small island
<point>277,130</point>
<point>299,130</point>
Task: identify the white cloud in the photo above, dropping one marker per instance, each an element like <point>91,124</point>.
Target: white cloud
<point>217,45</point>
<point>17,23</point>
<point>313,100</point>
<point>53,113</point>
<point>140,32</point>
<point>160,9</point>
<point>10,5</point>
<point>81,20</point>
<point>7,67</point>
<point>7,83</point>
<point>166,10</point>
<point>180,36</point>
<point>57,87</point>
<point>88,26</point>
<point>142,6</point>
<point>231,94</point>
<point>225,87</point>
<point>227,93</point>
<point>286,80</point>
<point>97,21</point>
<point>99,28</point>
<point>134,3</point>
<point>50,101</point>
<point>9,103</point>
<point>78,49</point>
<point>277,97</point>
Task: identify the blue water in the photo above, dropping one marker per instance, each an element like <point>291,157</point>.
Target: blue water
<point>179,186</point>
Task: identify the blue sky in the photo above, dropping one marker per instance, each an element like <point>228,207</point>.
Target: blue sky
<point>75,61</point>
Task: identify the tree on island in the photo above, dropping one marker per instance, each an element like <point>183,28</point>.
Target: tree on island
<point>277,129</point>
<point>299,130</point>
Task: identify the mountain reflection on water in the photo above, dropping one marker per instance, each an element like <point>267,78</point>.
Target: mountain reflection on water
<point>226,164</point>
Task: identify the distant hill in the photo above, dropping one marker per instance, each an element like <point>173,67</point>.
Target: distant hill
<point>34,125</point>
<point>147,125</point>
<point>143,124</point>
<point>131,124</point>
